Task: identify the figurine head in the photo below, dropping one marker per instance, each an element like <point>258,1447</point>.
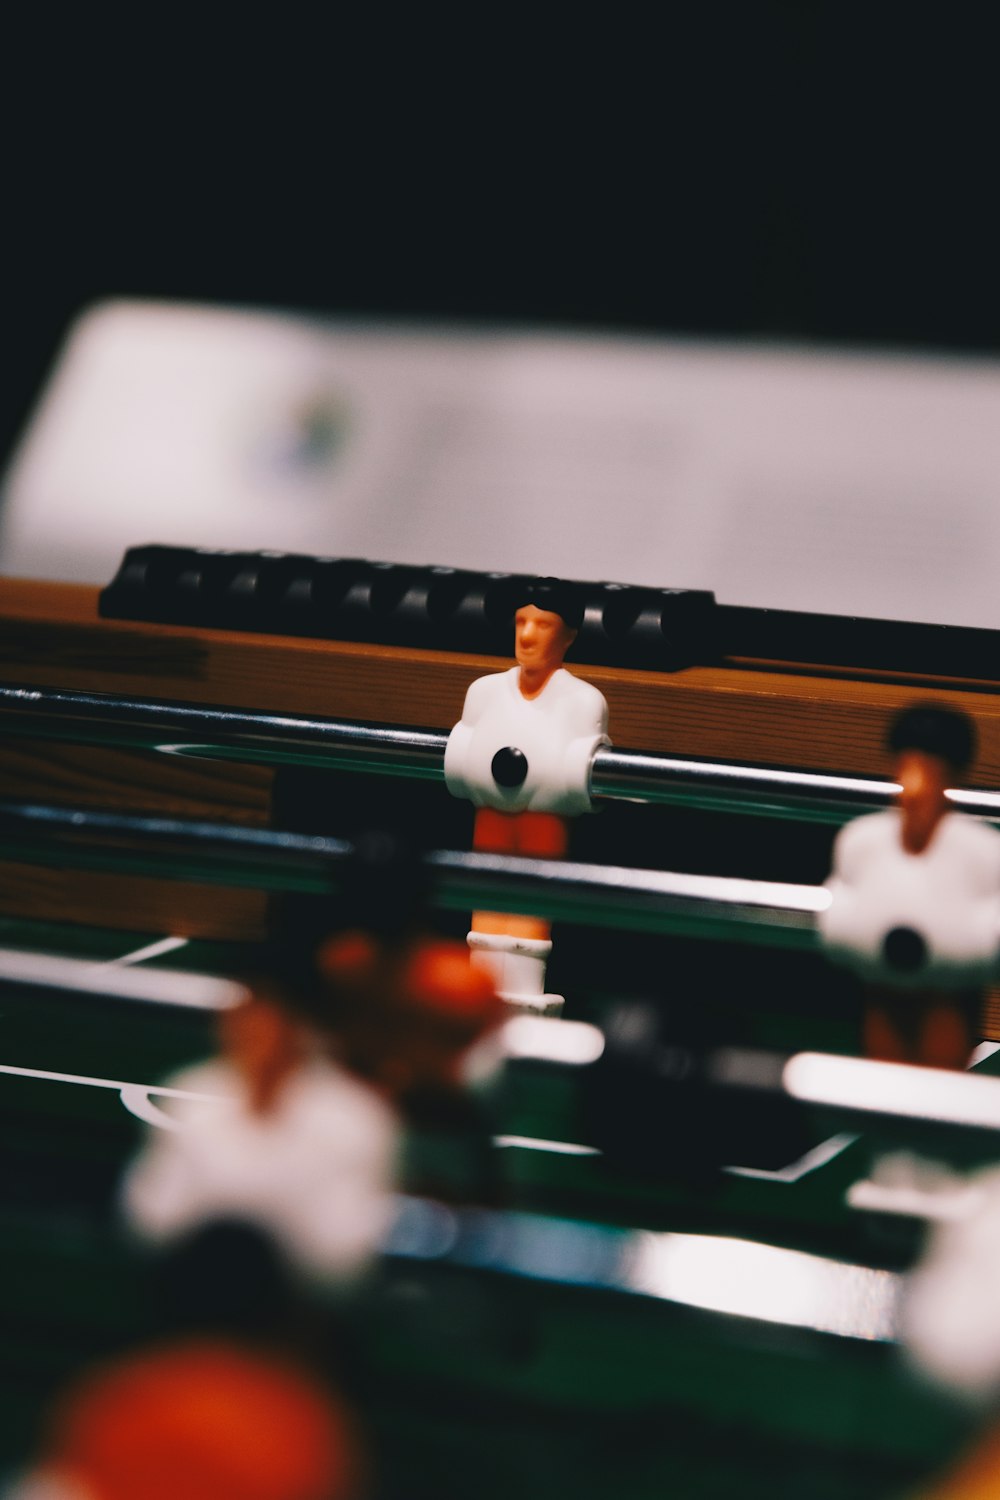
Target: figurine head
<point>545,626</point>
<point>203,1420</point>
<point>933,747</point>
<point>405,1018</point>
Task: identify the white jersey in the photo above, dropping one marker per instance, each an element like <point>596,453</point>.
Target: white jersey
<point>949,894</point>
<point>557,732</point>
<point>317,1170</point>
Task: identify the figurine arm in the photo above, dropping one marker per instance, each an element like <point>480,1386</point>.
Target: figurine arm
<point>589,730</point>
<point>456,755</point>
<point>989,872</point>
<point>160,1194</point>
<point>849,855</point>
<point>989,864</point>
<point>842,925</point>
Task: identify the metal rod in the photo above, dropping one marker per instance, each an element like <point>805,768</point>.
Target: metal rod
<point>49,974</point>
<point>717,785</point>
<point>221,733</point>
<point>858,1090</point>
<point>275,739</point>
<point>226,854</point>
<point>869,1094</point>
<point>714,1274</point>
<point>851,1090</point>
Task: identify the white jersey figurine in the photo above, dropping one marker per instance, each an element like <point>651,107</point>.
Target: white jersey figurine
<point>521,753</point>
<point>915,900</point>
<point>297,1128</point>
<point>286,1140</point>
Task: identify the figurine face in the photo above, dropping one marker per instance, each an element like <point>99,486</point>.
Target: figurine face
<point>923,780</point>
<point>541,640</point>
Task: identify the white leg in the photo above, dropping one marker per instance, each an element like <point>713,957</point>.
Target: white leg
<point>517,968</point>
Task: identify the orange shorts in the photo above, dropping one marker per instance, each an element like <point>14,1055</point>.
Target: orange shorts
<point>544,835</point>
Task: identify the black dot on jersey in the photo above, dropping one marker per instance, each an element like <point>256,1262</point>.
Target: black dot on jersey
<point>509,766</point>
<point>904,950</point>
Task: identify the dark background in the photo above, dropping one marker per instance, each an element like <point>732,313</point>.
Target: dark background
<point>793,171</point>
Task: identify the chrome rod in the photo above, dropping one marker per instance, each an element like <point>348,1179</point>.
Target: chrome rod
<point>710,1273</point>
<point>274,739</point>
<point>854,1090</point>
<point>641,900</point>
<point>47,973</point>
<point>865,1092</point>
<point>268,859</point>
<point>958,1113</point>
<point>719,785</point>
<point>220,733</point>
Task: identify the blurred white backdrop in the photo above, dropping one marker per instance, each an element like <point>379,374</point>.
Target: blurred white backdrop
<point>777,476</point>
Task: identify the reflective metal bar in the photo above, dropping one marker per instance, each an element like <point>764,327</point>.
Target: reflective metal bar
<point>46,973</point>
<point>855,1091</point>
<point>218,853</point>
<point>715,1273</point>
<point>863,1092</point>
<point>640,900</point>
<point>280,739</point>
<point>717,785</point>
<point>951,1110</point>
<point>220,733</point>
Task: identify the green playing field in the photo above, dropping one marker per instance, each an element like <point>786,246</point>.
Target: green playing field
<point>601,1334</point>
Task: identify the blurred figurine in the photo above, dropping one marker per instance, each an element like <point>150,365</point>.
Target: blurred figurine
<point>950,1318</point>
<point>202,1421</point>
<point>413,1019</point>
<point>522,753</point>
<point>915,900</point>
<point>293,1143</point>
<point>319,1071</point>
<point>423,1023</point>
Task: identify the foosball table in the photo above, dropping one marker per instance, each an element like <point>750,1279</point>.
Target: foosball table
<point>677,1287</point>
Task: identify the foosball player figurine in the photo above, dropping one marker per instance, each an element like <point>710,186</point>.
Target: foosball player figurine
<point>319,1070</point>
<point>522,753</point>
<point>915,900</point>
<point>290,1141</point>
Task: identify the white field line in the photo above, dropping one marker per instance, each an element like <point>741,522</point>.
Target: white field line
<point>151,950</point>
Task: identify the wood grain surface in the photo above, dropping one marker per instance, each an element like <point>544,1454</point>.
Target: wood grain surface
<point>132,903</point>
<point>51,636</point>
<point>134,781</point>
